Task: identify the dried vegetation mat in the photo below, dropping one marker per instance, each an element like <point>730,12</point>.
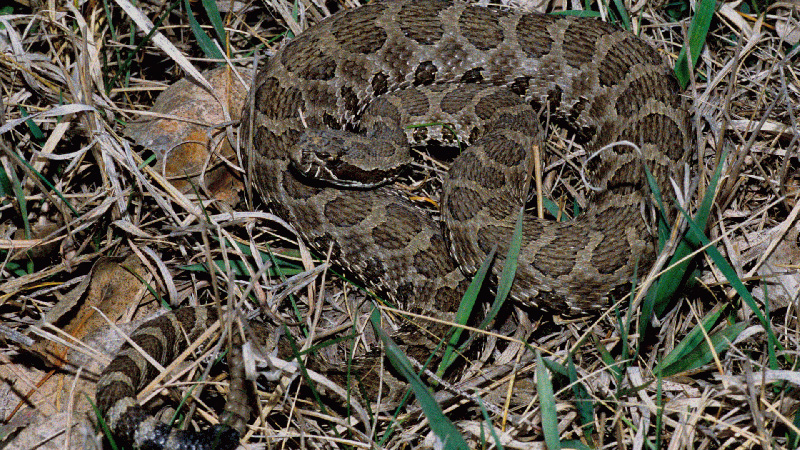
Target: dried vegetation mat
<point>114,206</point>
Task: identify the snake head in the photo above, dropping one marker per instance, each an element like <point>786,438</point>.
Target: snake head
<point>346,159</point>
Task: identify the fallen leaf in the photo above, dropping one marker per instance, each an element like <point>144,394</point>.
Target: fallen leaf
<point>112,288</point>
<point>191,150</point>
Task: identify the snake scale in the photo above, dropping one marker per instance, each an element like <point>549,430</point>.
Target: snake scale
<point>329,124</point>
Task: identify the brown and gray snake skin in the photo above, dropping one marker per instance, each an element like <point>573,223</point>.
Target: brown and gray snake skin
<point>330,115</point>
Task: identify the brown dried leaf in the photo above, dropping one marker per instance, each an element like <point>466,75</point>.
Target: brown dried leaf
<point>190,150</point>
<point>112,288</point>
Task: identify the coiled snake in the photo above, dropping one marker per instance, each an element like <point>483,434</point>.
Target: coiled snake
<point>329,124</point>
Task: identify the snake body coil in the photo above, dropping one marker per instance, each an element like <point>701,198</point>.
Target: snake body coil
<point>336,102</point>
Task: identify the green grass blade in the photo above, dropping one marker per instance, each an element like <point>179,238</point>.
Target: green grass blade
<point>608,360</point>
<point>550,206</point>
<point>547,404</point>
<point>36,131</point>
<point>22,201</point>
<point>577,445</point>
<point>577,13</point>
<point>509,271</point>
<point>205,42</point>
<point>212,12</point>
<point>103,424</point>
<point>704,210</point>
<point>730,274</point>
<point>125,65</point>
<point>42,179</point>
<point>112,26</point>
<point>583,401</point>
<point>4,11</point>
<point>485,413</point>
<point>658,298</point>
<point>663,226</point>
<point>694,339</point>
<point>554,367</point>
<point>660,410</point>
<point>623,14</point>
<point>503,289</point>
<point>702,355</point>
<point>698,30</point>
<point>693,351</point>
<point>446,432</point>
<point>554,210</point>
<point>773,359</point>
<point>794,439</point>
<point>303,369</point>
<point>6,188</point>
<point>465,309</point>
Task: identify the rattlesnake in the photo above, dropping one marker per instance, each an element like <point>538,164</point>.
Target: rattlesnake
<point>336,103</point>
